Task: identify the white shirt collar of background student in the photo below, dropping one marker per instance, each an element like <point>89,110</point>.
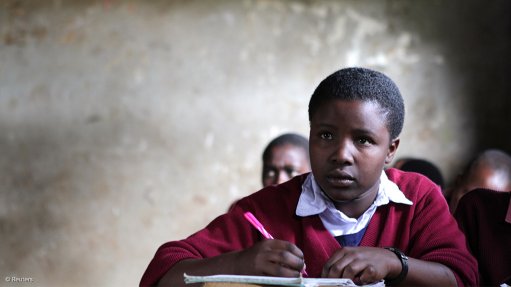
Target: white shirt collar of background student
<point>312,201</point>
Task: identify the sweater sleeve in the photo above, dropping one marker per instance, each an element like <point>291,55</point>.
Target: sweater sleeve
<point>435,235</point>
<point>273,206</point>
<point>226,233</point>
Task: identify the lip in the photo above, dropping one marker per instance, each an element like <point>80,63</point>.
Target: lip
<point>340,179</point>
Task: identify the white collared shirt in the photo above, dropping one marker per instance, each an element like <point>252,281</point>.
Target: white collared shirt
<point>312,201</point>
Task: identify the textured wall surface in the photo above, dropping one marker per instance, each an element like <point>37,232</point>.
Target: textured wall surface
<point>125,124</point>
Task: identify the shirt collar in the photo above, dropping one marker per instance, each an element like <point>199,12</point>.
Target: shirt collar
<point>312,200</point>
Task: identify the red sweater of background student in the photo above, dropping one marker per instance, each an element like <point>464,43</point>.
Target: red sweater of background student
<point>481,214</point>
<point>425,230</point>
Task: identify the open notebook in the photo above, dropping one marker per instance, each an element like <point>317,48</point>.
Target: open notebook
<point>275,281</point>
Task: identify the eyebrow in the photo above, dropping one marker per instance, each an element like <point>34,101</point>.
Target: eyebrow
<point>358,130</point>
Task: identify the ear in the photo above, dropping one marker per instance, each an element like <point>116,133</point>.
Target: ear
<point>392,150</point>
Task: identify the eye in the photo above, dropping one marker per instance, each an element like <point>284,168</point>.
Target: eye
<point>365,141</point>
<point>270,173</point>
<point>291,172</point>
<point>326,135</point>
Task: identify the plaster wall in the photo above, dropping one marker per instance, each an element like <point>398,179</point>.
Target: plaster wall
<point>125,124</point>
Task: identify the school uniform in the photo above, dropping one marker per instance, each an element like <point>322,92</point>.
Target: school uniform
<point>409,213</point>
<point>485,217</point>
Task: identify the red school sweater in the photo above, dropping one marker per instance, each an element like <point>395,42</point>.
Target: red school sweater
<point>481,214</point>
<point>426,230</point>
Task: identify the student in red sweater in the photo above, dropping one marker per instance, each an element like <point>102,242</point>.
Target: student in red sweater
<point>485,217</point>
<point>348,218</point>
<point>490,169</point>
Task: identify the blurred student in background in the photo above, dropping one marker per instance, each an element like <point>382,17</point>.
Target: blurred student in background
<point>422,166</point>
<point>285,157</point>
<point>485,217</point>
<point>481,203</point>
<point>490,169</point>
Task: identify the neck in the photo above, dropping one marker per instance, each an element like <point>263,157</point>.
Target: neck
<point>354,208</point>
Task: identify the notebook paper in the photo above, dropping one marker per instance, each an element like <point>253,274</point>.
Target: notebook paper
<point>278,281</point>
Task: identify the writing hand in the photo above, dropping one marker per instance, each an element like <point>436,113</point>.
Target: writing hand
<point>271,258</point>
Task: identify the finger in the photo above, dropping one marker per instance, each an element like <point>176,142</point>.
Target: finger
<point>290,253</point>
<point>361,271</point>
<point>286,245</point>
<point>338,255</point>
<point>369,275</point>
<point>298,256</point>
<point>275,269</point>
<point>294,250</point>
<point>353,269</point>
<point>285,258</point>
<point>337,269</point>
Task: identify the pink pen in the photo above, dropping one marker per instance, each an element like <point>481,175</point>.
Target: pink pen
<point>251,218</point>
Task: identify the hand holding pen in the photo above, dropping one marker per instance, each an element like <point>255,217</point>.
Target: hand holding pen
<point>251,218</point>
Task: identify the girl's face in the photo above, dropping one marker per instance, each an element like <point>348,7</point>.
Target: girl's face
<point>349,146</point>
<point>286,161</point>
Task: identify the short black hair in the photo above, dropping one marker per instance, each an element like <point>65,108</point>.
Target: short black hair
<point>362,84</point>
<point>288,138</point>
<point>424,167</point>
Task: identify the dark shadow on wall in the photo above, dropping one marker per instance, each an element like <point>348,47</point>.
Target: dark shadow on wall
<point>486,26</point>
<point>476,37</point>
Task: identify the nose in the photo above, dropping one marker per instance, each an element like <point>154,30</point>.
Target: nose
<point>343,153</point>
